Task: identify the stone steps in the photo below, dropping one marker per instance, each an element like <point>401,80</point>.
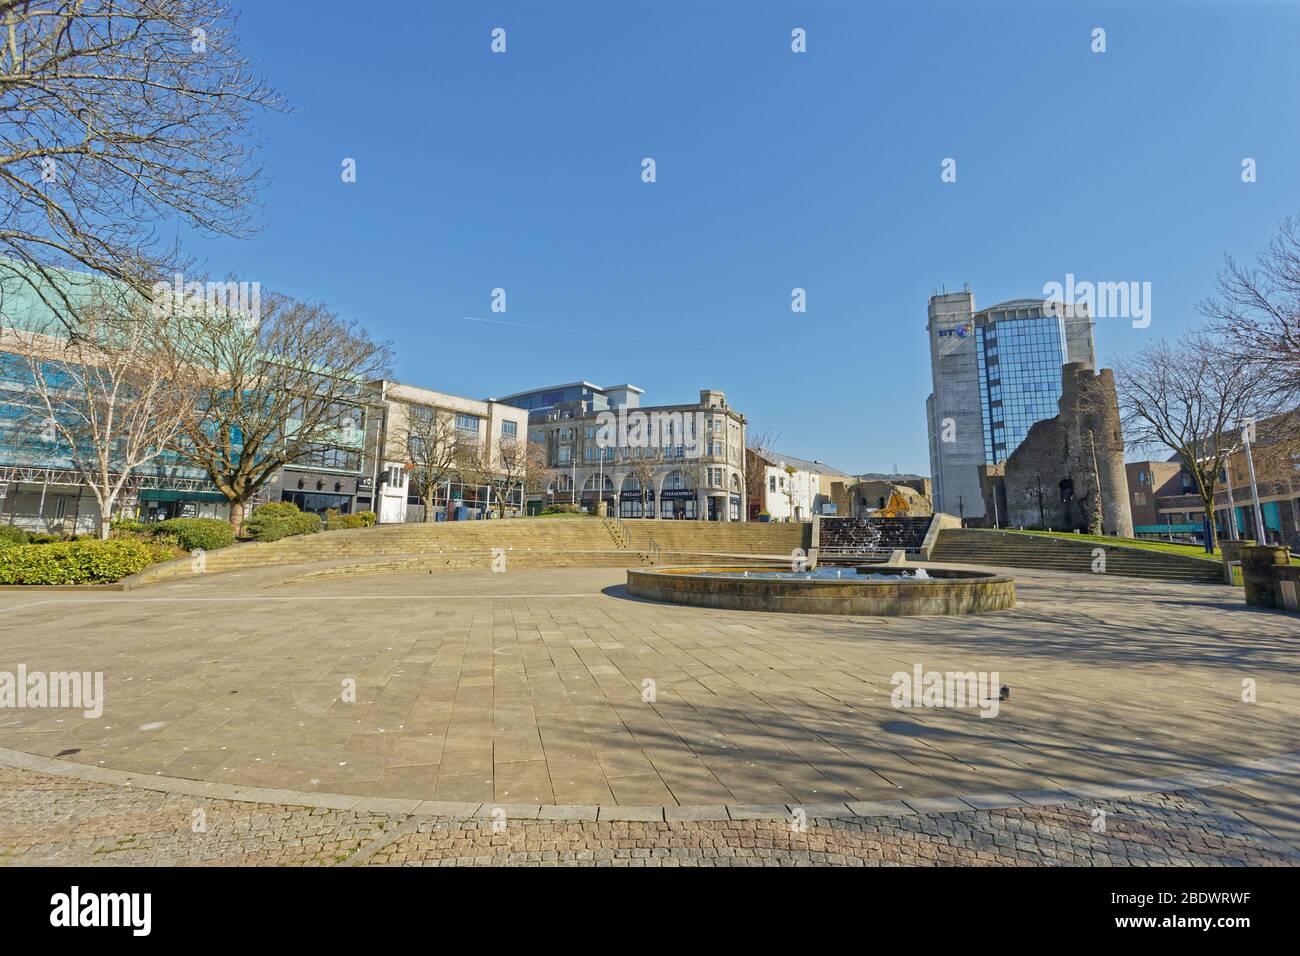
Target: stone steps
<point>526,543</point>
<point>999,549</point>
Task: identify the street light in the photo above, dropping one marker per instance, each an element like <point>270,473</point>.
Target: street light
<point>1247,437</point>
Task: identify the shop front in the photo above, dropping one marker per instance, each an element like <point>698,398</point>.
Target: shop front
<point>678,503</point>
<point>160,504</point>
<point>319,492</point>
<point>630,504</point>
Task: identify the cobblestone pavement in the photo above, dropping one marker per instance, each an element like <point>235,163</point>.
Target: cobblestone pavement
<point>52,820</point>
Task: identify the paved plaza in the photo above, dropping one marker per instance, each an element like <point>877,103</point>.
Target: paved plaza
<point>555,699</point>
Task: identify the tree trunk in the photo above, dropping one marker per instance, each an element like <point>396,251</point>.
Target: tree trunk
<point>428,510</point>
<point>1209,513</point>
<point>236,517</point>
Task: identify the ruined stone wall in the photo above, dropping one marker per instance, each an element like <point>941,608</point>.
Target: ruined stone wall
<point>1068,463</point>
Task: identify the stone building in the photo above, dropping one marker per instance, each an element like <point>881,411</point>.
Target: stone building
<point>869,496</point>
<point>602,446</point>
<point>1068,473</point>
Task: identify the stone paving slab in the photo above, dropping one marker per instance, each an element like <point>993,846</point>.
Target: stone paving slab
<point>630,814</point>
<point>992,801</point>
<point>937,804</point>
<point>527,688</point>
<point>879,808</point>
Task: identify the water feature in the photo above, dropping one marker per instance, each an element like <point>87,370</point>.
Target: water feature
<point>872,589</point>
<point>826,573</point>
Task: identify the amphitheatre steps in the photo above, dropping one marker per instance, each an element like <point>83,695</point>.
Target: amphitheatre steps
<point>550,542</point>
<point>1002,549</point>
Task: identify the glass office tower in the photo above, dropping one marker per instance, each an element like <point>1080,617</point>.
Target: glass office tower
<point>996,372</point>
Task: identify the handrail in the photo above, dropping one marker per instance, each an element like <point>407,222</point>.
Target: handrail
<point>622,535</point>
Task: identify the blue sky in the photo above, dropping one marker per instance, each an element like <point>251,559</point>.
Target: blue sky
<point>775,170</point>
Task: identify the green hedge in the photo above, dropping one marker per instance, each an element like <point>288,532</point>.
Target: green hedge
<point>10,536</point>
<point>362,519</point>
<point>78,562</point>
<point>276,520</point>
<point>191,533</point>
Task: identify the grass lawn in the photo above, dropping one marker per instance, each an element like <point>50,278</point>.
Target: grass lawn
<point>1189,550</point>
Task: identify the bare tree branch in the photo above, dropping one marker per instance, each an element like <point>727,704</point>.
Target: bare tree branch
<point>117,117</point>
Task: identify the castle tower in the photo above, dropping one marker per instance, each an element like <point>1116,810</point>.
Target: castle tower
<point>1090,414</point>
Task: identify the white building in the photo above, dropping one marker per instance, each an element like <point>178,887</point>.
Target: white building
<point>792,487</point>
<point>475,422</point>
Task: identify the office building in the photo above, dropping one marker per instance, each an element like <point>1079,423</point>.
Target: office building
<point>995,372</point>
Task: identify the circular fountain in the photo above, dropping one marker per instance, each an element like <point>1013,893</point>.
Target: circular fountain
<point>869,590</point>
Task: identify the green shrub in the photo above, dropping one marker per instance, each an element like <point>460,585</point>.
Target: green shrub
<point>10,536</point>
<point>126,527</point>
<point>78,562</point>
<point>191,533</point>
<point>276,520</point>
<point>569,509</point>
<point>359,520</point>
<point>276,509</point>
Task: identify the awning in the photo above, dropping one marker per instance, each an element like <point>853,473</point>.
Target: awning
<point>164,494</point>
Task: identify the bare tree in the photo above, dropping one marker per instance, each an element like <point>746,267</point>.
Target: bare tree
<point>1185,397</point>
<point>288,388</point>
<point>434,446</point>
<point>1256,311</point>
<point>540,475</point>
<point>116,116</point>
<point>758,444</point>
<point>107,399</point>
<point>513,462</point>
<point>476,467</point>
<point>643,473</point>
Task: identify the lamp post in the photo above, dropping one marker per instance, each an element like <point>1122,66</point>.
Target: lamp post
<point>1247,437</point>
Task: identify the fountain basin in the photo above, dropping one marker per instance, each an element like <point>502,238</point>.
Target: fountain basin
<point>889,592</point>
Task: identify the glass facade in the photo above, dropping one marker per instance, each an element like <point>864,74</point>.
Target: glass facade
<point>1019,362</point>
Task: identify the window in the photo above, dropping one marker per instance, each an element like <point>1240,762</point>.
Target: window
<point>509,429</point>
<point>771,483</point>
<point>467,423</point>
<point>565,453</point>
<point>326,456</point>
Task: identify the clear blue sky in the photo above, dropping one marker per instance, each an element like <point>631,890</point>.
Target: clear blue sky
<point>775,170</point>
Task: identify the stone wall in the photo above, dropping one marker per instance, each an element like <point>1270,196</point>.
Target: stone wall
<point>1067,464</point>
